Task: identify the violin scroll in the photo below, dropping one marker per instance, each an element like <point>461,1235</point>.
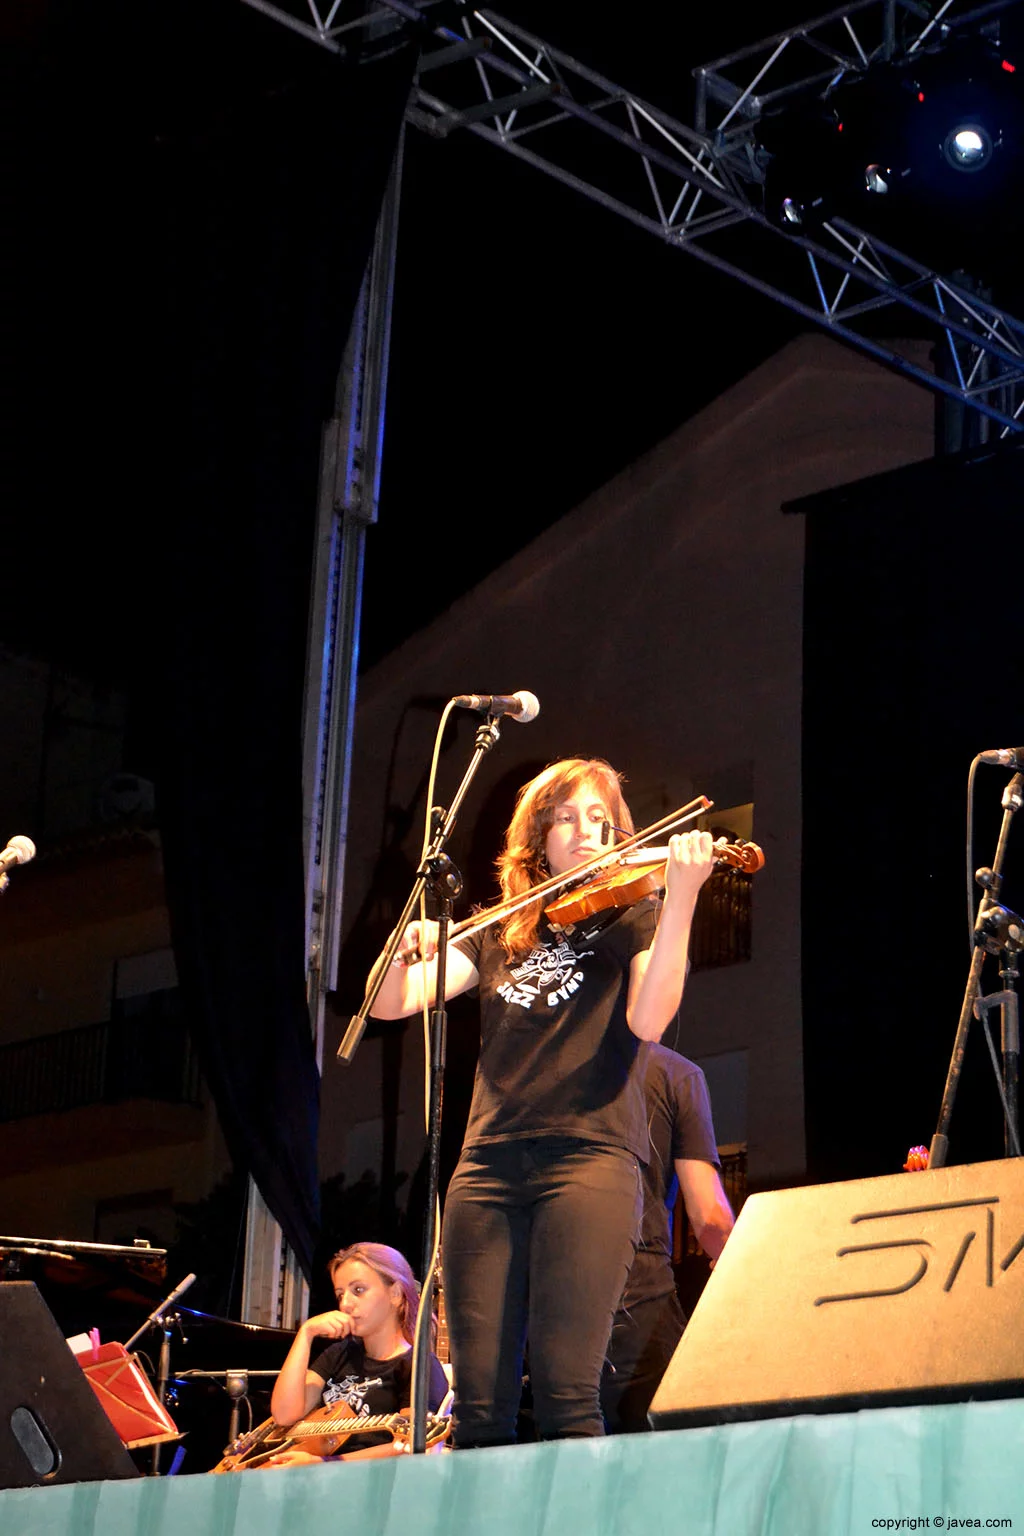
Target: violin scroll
<point>741,855</point>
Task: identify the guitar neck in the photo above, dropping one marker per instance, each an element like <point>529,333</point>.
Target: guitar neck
<point>346,1423</point>
<point>442,1346</point>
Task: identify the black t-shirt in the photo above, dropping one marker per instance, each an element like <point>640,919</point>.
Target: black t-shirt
<point>679,1125</point>
<point>371,1386</point>
<point>557,1057</point>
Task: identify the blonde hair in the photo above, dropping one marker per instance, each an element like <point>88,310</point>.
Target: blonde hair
<point>522,862</point>
<point>393,1268</point>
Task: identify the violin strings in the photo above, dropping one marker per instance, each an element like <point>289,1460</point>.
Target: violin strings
<point>480,920</point>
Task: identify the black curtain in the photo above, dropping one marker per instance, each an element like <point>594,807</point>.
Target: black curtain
<point>197,201</point>
<point>912,664</point>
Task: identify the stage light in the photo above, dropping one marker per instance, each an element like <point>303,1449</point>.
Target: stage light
<point>900,129</point>
<point>968,147</point>
<point>925,152</point>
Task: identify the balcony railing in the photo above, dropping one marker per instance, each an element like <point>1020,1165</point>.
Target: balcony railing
<point>721,922</point>
<point>147,1055</point>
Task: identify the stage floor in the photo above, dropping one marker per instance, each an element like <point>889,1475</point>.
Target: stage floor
<point>942,1468</point>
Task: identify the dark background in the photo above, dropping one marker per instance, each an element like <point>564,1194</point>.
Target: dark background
<point>911,666</point>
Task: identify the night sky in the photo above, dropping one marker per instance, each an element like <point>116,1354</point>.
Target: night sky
<point>540,343</point>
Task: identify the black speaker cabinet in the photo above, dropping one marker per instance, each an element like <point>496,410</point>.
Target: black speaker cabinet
<point>52,1427</point>
<point>906,1289</point>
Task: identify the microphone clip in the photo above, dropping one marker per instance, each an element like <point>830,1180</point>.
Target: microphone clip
<point>488,733</point>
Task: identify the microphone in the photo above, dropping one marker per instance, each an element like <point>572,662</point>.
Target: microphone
<point>18,851</point>
<point>158,1312</point>
<point>180,1289</point>
<point>1003,757</point>
<point>521,706</point>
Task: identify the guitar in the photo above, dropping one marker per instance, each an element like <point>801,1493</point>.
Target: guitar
<point>442,1344</point>
<point>321,1433</point>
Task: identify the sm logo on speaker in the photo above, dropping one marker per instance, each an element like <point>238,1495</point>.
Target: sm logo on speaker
<point>961,1221</point>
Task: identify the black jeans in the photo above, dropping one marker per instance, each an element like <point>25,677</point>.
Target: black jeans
<point>643,1342</point>
<point>538,1239</point>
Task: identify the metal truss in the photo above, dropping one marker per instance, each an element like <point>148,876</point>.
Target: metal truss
<point>342,26</point>
<point>697,188</point>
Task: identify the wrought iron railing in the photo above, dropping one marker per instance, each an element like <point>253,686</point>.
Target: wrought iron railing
<point>147,1055</point>
<point>721,923</point>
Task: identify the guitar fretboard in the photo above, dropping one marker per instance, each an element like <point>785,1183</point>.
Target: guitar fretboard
<point>347,1423</point>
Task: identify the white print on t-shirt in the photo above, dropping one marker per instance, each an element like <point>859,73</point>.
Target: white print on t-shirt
<point>549,969</point>
<point>352,1391</point>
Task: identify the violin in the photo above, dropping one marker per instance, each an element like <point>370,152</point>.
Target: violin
<point>641,873</point>
<point>742,855</point>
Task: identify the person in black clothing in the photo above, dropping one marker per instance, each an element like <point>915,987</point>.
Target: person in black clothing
<point>368,1364</point>
<point>650,1319</point>
<point>543,1211</point>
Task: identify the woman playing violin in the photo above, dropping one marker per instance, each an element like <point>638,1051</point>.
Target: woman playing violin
<point>543,1209</point>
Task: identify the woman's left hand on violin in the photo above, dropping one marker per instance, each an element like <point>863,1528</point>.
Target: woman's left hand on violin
<point>690,862</point>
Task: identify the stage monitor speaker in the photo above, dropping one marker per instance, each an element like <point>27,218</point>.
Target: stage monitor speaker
<point>52,1428</point>
<point>906,1289</point>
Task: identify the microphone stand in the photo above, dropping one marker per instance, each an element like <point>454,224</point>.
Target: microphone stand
<point>1009,1043</point>
<point>446,885</point>
<point>438,874</point>
<point>164,1366</point>
<point>236,1385</point>
<point>158,1312</point>
<point>996,929</point>
<point>435,865</point>
<point>167,1323</point>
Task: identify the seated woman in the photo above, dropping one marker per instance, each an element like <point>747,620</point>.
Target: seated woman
<point>368,1363</point>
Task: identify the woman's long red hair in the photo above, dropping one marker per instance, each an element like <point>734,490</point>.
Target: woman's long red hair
<point>522,863</point>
